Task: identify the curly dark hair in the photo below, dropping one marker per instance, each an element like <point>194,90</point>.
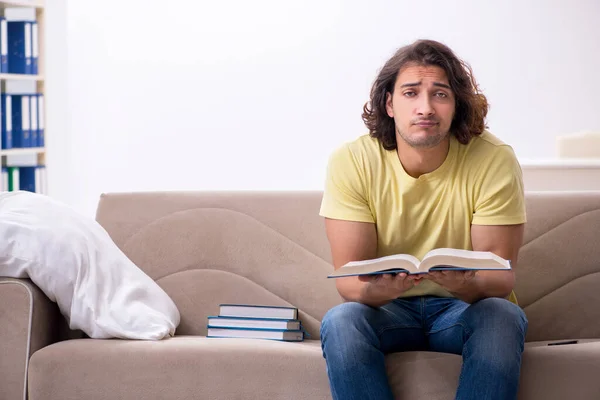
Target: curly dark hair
<point>471,104</point>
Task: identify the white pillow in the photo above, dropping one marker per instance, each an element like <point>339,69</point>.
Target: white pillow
<point>73,260</point>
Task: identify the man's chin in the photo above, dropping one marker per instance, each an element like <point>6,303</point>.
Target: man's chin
<point>424,141</point>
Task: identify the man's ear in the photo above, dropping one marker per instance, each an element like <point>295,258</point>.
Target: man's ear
<point>388,105</point>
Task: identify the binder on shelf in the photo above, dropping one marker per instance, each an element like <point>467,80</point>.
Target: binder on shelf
<point>3,46</point>
<point>4,180</point>
<point>34,120</point>
<point>25,171</point>
<point>21,120</point>
<point>40,116</point>
<point>33,179</point>
<point>41,180</point>
<point>27,179</point>
<point>19,47</point>
<point>35,49</point>
<point>13,179</point>
<point>6,116</point>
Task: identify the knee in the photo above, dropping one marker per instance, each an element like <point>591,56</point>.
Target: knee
<point>497,314</point>
<point>343,318</point>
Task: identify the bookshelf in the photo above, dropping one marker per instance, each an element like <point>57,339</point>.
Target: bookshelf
<point>19,77</point>
<point>27,10</point>
<point>22,3</point>
<point>26,150</point>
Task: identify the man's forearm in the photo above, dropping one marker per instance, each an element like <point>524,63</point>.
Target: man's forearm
<point>371,296</point>
<point>486,284</point>
<point>362,292</point>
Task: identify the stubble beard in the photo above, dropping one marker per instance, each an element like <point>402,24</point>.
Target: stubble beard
<point>427,142</point>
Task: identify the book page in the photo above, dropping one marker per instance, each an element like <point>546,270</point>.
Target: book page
<point>463,259</point>
<point>393,259</point>
<point>393,262</point>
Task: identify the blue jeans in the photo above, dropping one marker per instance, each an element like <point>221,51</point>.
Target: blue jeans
<point>489,334</point>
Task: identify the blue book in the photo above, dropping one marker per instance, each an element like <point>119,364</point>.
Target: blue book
<point>6,106</point>
<point>41,142</point>
<point>3,46</point>
<point>441,259</point>
<point>35,49</point>
<point>21,120</point>
<point>257,311</point>
<point>249,323</point>
<point>19,47</point>
<point>256,333</point>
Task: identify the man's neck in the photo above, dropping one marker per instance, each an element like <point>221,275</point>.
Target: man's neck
<point>417,162</point>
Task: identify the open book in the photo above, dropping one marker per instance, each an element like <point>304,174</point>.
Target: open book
<point>435,260</point>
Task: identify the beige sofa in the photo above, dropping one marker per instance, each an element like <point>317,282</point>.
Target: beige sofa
<point>270,248</point>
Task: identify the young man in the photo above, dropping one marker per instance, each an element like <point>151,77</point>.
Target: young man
<point>428,175</point>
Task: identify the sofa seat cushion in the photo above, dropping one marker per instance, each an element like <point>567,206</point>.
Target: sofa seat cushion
<point>185,367</point>
<point>181,367</point>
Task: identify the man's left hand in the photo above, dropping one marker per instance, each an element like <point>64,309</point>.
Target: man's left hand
<point>453,281</point>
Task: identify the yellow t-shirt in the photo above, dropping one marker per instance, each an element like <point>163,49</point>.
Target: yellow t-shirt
<point>478,183</point>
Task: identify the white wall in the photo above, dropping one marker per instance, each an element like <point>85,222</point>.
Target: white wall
<point>204,95</point>
<point>58,157</point>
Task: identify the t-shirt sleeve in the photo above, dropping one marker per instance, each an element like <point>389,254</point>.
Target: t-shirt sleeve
<point>345,196</point>
<point>500,198</point>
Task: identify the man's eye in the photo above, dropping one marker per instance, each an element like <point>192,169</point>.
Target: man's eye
<point>442,95</point>
<point>409,94</point>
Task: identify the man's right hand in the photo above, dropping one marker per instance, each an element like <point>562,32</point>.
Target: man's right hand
<point>354,241</point>
<point>389,286</point>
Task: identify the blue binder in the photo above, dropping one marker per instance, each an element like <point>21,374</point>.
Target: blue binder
<point>6,106</point>
<point>40,116</point>
<point>35,49</point>
<point>33,111</point>
<point>19,47</point>
<point>21,120</point>
<point>27,179</point>
<point>3,46</point>
<point>33,178</point>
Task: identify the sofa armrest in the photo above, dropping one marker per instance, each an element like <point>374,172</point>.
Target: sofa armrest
<point>28,322</point>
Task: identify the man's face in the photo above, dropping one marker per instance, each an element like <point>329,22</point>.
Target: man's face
<point>422,106</point>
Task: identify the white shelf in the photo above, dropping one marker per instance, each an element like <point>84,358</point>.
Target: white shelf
<point>24,150</point>
<point>561,174</point>
<point>22,3</point>
<point>561,163</point>
<point>21,77</point>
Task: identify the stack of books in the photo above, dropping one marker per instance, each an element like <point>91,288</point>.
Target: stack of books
<point>256,322</point>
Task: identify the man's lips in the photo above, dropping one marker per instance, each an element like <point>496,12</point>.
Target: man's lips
<point>426,124</point>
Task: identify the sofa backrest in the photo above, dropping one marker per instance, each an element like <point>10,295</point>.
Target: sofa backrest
<point>208,248</point>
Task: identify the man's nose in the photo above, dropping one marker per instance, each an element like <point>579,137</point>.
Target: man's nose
<point>425,107</point>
